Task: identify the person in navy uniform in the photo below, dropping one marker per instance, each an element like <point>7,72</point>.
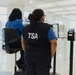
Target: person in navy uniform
<point>39,43</point>
<point>15,22</point>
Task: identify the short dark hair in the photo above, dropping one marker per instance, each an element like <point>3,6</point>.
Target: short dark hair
<point>15,14</point>
<point>36,15</point>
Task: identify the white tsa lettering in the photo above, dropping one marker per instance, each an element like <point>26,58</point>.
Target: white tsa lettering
<point>29,35</point>
<point>32,35</point>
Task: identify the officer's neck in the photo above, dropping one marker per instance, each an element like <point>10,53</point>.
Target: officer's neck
<point>40,21</point>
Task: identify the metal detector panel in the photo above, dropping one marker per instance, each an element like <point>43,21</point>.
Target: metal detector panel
<point>56,29</point>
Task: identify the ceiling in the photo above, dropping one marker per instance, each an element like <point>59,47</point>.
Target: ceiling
<point>65,8</point>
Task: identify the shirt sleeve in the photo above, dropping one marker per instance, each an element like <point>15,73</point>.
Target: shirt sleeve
<point>51,35</point>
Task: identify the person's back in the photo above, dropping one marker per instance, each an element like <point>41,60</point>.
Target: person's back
<point>17,25</point>
<point>39,42</point>
<point>37,37</point>
<point>15,22</point>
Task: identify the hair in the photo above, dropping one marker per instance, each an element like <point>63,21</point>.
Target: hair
<point>15,14</point>
<point>36,16</point>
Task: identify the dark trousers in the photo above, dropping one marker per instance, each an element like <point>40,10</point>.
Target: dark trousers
<point>37,63</point>
<point>17,44</point>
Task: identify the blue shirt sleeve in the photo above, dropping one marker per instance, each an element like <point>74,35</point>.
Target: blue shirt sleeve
<point>51,35</point>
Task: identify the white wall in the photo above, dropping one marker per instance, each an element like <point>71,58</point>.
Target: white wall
<point>50,18</point>
<point>65,22</point>
<point>73,24</point>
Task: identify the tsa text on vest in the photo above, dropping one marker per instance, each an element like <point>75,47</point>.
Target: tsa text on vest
<point>32,35</point>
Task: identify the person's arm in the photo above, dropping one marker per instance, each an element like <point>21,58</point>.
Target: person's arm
<point>23,43</point>
<point>53,41</point>
<point>53,46</point>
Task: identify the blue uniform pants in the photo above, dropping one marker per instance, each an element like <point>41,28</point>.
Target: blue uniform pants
<point>37,63</point>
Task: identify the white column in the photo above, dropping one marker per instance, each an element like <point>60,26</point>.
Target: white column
<point>12,6</point>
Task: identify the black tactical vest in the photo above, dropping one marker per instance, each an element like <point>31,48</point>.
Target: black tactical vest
<point>35,37</point>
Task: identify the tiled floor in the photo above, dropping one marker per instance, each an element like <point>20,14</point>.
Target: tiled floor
<point>62,63</point>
